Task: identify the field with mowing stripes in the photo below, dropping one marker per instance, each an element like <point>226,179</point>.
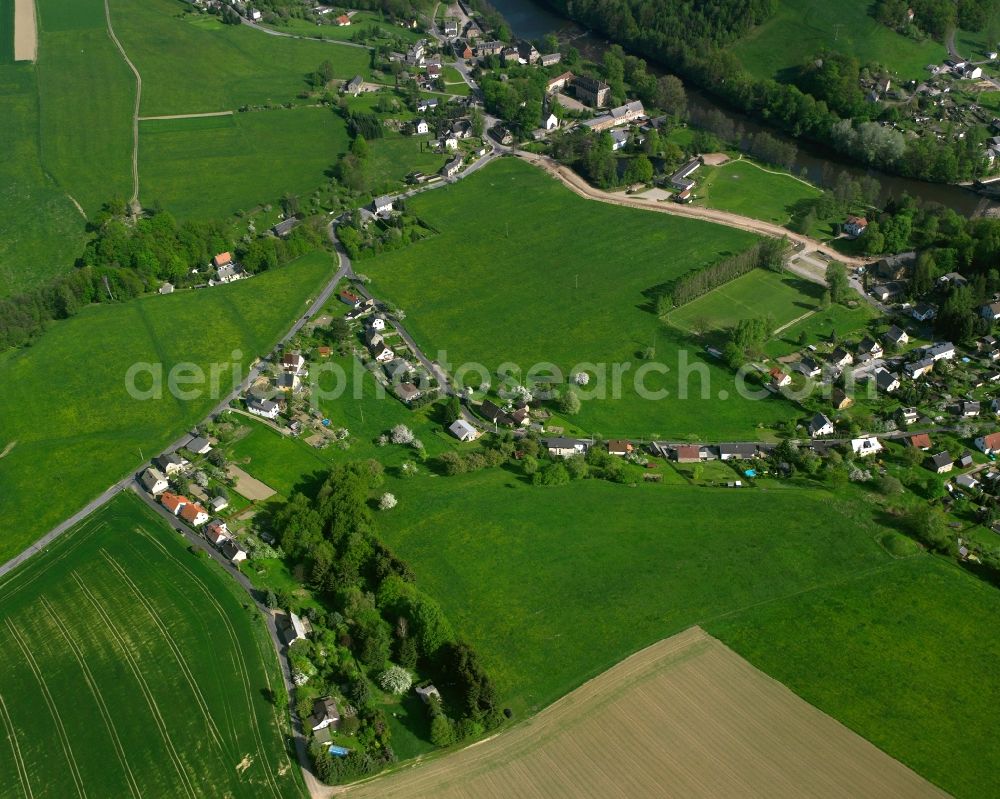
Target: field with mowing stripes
<point>131,668</point>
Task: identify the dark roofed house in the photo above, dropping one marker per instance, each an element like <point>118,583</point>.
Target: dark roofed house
<point>407,392</point>
<point>325,714</point>
<point>896,336</point>
<point>284,227</point>
<point>566,447</point>
<point>820,425</point>
<point>353,86</point>
<point>942,462</point>
<point>491,412</point>
<point>620,447</point>
<point>737,451</point>
<point>839,399</point>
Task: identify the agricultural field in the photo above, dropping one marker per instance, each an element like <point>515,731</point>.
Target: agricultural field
<point>580,279</point>
<point>551,594</point>
<point>6,32</point>
<point>210,167</point>
<point>818,327</point>
<point>801,29</point>
<point>234,64</point>
<point>132,668</point>
<point>746,188</point>
<point>393,157</point>
<point>41,232</point>
<point>359,20</point>
<point>668,704</point>
<point>785,297</point>
<point>94,440</point>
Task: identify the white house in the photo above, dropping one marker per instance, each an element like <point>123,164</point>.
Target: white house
<point>551,122</point>
<point>941,351</point>
<point>973,73</point>
<point>382,353</point>
<point>422,127</point>
<point>382,204</point>
<point>463,431</point>
<point>619,138</point>
<point>264,408</point>
<point>194,514</point>
<point>154,481</point>
<point>296,629</point>
<point>170,463</point>
<point>820,426</point>
<point>217,531</point>
<point>863,447</point>
<point>449,142</point>
<point>855,226</point>
<point>377,323</point>
<point>219,503</point>
<point>886,380</point>
<point>293,362</point>
<point>919,368</point>
<point>232,551</point>
<point>566,447</point>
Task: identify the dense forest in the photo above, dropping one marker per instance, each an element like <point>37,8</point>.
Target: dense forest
<point>691,39</point>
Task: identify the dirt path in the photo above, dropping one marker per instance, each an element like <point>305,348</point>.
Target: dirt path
<point>795,321</point>
<point>134,201</point>
<point>25,31</point>
<point>7,449</point>
<point>189,116</point>
<point>584,189</point>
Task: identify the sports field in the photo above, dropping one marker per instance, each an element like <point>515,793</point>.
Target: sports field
<point>785,297</point>
<point>525,271</point>
<point>743,187</point>
<point>131,668</point>
<point>90,432</point>
<point>663,722</point>
<point>801,29</point>
<point>210,167</point>
<point>229,65</point>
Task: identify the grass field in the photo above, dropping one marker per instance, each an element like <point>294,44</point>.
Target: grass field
<point>553,586</point>
<point>785,297</point>
<point>66,409</point>
<point>818,326</point>
<point>801,29</point>
<point>213,166</point>
<point>524,271</point>
<point>657,719</point>
<point>233,64</point>
<point>131,668</point>
<point>6,32</point>
<point>361,19</point>
<point>743,187</point>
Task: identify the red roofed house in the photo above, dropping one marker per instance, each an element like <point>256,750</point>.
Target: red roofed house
<point>222,259</point>
<point>855,226</point>
<point>343,20</point>
<point>194,514</point>
<point>920,441</point>
<point>467,53</point>
<point>350,298</point>
<point>217,531</point>
<point>173,502</point>
<point>780,378</point>
<point>688,453</point>
<point>989,444</point>
<point>620,447</point>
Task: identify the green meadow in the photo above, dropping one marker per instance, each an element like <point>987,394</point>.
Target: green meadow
<point>228,65</point>
<point>801,29</point>
<point>6,32</point>
<point>785,297</point>
<point>524,271</point>
<point>554,585</point>
<point>743,187</point>
<point>133,668</point>
<point>210,167</point>
<point>70,422</point>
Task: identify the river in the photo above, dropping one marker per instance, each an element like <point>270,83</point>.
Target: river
<point>531,20</point>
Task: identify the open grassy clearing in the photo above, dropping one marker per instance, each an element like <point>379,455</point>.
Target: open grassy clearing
<point>395,156</point>
<point>360,19</point>
<point>801,29</point>
<point>233,65</point>
<point>904,657</point>
<point>41,233</point>
<point>552,591</point>
<point>213,166</point>
<point>785,297</point>
<point>90,432</point>
<point>85,146</point>
<point>669,705</point>
<point>751,190</point>
<point>578,280</point>
<point>131,668</point>
<point>817,328</point>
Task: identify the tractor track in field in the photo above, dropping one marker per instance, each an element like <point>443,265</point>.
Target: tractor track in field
<point>134,202</point>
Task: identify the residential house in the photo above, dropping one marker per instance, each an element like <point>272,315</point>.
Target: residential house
<point>920,441</point>
<point>566,447</point>
<point>219,504</point>
<point>841,358</point>
<point>377,323</point>
<point>284,227</point>
<point>467,52</point>
<point>923,312</point>
<point>965,460</point>
<point>199,446</point>
<point>492,413</point>
<point>591,91</point>
<point>681,179</point>
<point>942,462</point>
<point>263,408</point>
<point>227,272</point>
<point>254,15</point>
<point>738,451</point>
<point>427,693</point>
<point>382,205</point>
<point>779,378</point>
<point>397,369</point>
<point>895,336</point>
<point>428,104</point>
<point>154,481</point>
<point>619,138</point>
<point>448,142</point>
<point>886,380</point>
<point>551,122</point>
<point>407,392</point>
<point>550,59</point>
<point>820,425</point>
<point>194,514</point>
<point>863,447</point>
<point>233,551</point>
<point>689,453</point>
<point>869,349</point>
<point>173,502</point>
<point>895,267</point>
<point>452,168</point>
<point>989,443</point>
<point>484,49</point>
<point>325,714</point>
<point>166,288</point>
<point>216,531</point>
<point>463,431</point>
<point>421,127</point>
<point>293,362</point>
<point>840,400</point>
<point>620,447</point>
<point>450,27</point>
<point>953,279</point>
<point>382,353</point>
<point>990,311</point>
<point>855,226</point>
<point>809,367</point>
<point>908,415</point>
<point>916,369</point>
<point>347,296</point>
<point>373,338</point>
<point>884,292</point>
<point>295,629</point>
<point>343,21</point>
<point>941,351</point>
<point>170,463</point>
<point>969,410</point>
<point>527,52</point>
<point>288,381</point>
<point>558,83</point>
<point>966,481</point>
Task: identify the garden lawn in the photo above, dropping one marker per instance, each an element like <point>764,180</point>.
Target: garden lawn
<point>524,271</point>
<point>745,188</point>
<point>785,297</point>
<point>72,428</point>
<point>230,65</point>
<point>41,233</point>
<point>132,668</point>
<point>213,166</point>
<point>904,657</point>
<point>801,29</point>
